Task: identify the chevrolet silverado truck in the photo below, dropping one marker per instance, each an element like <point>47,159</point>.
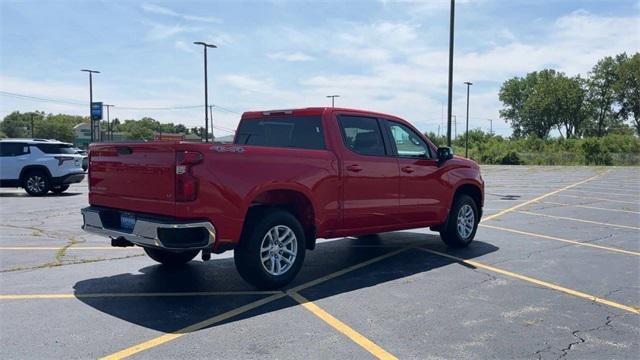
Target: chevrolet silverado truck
<point>289,178</point>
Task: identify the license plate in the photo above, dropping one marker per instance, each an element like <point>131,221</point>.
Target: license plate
<point>127,221</point>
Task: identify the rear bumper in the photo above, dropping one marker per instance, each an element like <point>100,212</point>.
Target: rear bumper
<point>68,179</point>
<point>150,231</point>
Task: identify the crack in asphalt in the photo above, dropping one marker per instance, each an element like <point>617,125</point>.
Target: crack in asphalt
<point>84,261</point>
<point>582,340</point>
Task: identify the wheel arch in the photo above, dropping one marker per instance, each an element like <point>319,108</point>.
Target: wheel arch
<point>27,169</point>
<point>294,201</point>
<point>474,191</point>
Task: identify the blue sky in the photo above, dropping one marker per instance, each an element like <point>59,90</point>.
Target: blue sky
<point>388,56</point>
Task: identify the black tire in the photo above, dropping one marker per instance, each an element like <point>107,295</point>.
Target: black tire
<point>248,255</point>
<point>450,233</point>
<point>59,189</point>
<point>36,183</point>
<point>169,258</point>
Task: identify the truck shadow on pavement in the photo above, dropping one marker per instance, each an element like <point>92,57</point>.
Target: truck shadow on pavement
<point>171,313</point>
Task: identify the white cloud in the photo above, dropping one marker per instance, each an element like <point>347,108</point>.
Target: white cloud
<point>159,31</point>
<point>156,9</point>
<point>291,57</point>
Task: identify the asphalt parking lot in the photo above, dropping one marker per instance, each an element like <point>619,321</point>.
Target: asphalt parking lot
<point>554,273</point>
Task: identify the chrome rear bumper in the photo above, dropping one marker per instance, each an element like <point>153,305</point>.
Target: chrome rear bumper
<point>147,230</point>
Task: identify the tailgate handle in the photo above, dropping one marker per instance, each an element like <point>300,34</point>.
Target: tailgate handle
<point>124,150</point>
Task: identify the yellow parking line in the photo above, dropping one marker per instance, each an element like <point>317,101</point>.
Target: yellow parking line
<point>191,328</point>
<point>631,309</point>
<point>130,295</point>
<point>590,207</point>
<point>516,207</point>
<point>599,198</point>
<point>608,248</point>
<point>579,220</point>
<point>195,327</point>
<point>355,336</point>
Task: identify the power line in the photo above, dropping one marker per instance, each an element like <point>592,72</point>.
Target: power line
<point>77,103</point>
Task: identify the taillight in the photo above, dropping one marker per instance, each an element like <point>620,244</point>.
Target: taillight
<point>186,183</point>
<point>62,159</point>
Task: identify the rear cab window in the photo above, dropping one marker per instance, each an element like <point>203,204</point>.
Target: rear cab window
<point>300,132</point>
<point>362,135</point>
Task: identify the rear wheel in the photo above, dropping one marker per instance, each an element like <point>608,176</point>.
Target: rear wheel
<point>271,251</point>
<point>59,189</point>
<point>170,258</point>
<point>462,222</point>
<point>36,183</point>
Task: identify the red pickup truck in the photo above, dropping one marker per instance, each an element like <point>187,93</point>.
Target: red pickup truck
<point>289,178</point>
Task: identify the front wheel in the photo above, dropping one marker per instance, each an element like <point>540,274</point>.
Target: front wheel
<point>271,251</point>
<point>462,223</point>
<point>170,258</point>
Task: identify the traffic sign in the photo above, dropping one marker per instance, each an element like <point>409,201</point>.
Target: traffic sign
<point>96,110</point>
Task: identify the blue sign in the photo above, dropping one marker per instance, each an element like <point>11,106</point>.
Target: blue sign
<point>96,111</point>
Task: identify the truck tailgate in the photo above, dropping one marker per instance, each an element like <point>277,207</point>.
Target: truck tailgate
<point>136,177</point>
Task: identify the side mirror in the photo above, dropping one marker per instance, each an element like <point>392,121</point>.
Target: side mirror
<point>444,153</point>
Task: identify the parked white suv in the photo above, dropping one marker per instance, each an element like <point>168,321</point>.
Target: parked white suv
<point>39,165</point>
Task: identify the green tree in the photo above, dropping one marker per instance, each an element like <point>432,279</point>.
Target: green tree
<point>600,95</point>
<point>627,88</point>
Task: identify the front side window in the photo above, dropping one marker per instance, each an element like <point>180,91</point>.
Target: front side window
<point>13,149</point>
<point>362,135</point>
<point>290,132</point>
<point>408,143</point>
<point>56,148</point>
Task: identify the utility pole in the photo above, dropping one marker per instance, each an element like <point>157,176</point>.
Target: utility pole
<point>91,72</point>
<point>32,132</point>
<point>455,126</point>
<point>449,100</point>
<point>108,123</point>
<point>466,134</point>
<point>206,91</point>
<point>333,99</point>
<point>490,126</point>
<point>211,117</point>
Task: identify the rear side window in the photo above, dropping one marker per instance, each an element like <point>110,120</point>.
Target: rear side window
<point>13,149</point>
<point>362,135</point>
<point>302,132</point>
<point>56,148</point>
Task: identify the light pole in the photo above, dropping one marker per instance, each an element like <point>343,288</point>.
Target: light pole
<point>451,22</point>
<point>108,124</point>
<point>466,134</point>
<point>206,90</point>
<point>91,72</point>
<point>333,99</point>
<point>490,126</point>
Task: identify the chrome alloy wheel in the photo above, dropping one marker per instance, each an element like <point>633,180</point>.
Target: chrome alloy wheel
<point>278,250</point>
<point>466,221</point>
<point>35,183</point>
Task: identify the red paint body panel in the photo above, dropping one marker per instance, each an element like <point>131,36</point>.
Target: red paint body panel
<point>381,196</point>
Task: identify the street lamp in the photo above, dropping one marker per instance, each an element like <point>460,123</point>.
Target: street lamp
<point>333,99</point>
<point>91,72</point>
<point>466,135</point>
<point>206,91</point>
<point>450,93</point>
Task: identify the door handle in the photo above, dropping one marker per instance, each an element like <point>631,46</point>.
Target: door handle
<point>408,169</point>
<point>354,168</point>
